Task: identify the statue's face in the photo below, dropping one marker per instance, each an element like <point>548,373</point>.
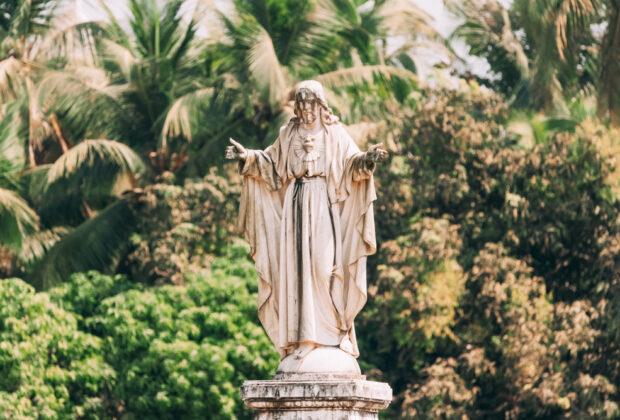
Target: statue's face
<point>309,107</point>
<point>309,110</point>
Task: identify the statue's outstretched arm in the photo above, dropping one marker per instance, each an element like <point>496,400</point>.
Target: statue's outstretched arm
<point>256,163</point>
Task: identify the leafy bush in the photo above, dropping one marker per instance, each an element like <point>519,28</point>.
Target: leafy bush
<point>520,356</point>
<point>48,368</point>
<point>178,351</point>
<point>181,228</point>
<point>411,307</point>
<point>495,286</point>
<point>102,346</point>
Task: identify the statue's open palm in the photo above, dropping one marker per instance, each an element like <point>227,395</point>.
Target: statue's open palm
<point>376,154</point>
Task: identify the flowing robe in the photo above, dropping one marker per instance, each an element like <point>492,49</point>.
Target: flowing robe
<point>309,237</point>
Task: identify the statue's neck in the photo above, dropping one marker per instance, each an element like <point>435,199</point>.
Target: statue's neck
<point>312,128</point>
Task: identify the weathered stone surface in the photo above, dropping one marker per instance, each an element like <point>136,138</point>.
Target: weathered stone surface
<point>321,360</point>
<point>306,210</point>
<point>315,396</point>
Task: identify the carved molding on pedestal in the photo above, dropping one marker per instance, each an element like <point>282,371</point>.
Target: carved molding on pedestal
<point>306,397</point>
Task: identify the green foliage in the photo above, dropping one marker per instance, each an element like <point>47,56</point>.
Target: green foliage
<point>167,98</point>
<point>103,346</point>
<point>178,351</point>
<point>180,229</point>
<point>48,367</point>
<point>91,169</point>
<point>411,308</point>
<point>96,244</point>
<point>519,356</point>
<point>493,259</point>
<point>17,219</point>
<point>496,287</point>
<point>545,52</point>
<point>548,205</point>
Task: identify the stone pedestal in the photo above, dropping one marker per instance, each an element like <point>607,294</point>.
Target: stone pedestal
<point>317,383</point>
<point>316,397</point>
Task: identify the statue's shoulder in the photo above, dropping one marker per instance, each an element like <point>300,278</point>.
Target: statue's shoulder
<point>337,126</point>
<point>339,130</point>
<point>286,129</point>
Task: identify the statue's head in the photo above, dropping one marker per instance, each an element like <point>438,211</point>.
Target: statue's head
<point>310,103</point>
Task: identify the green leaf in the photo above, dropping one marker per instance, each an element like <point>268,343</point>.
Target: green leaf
<point>91,169</point>
<point>17,220</point>
<point>95,244</point>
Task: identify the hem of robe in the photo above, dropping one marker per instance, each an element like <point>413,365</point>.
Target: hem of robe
<point>289,349</point>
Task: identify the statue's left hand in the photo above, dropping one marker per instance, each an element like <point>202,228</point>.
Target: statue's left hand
<point>375,153</point>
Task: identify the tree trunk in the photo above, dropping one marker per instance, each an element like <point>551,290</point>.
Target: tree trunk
<point>609,74</point>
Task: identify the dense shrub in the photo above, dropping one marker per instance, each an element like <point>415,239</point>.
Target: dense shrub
<point>48,368</point>
<point>495,285</point>
<point>107,347</point>
<point>520,355</point>
<point>184,351</point>
<point>412,304</point>
<point>181,228</point>
<point>548,204</point>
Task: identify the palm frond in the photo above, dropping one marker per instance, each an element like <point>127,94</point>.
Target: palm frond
<point>489,28</point>
<point>9,78</point>
<point>17,220</point>
<point>120,55</point>
<point>570,16</point>
<point>76,81</point>
<point>91,168</point>
<point>70,39</point>
<point>36,245</point>
<point>80,96</point>
<point>266,70</point>
<point>360,74</point>
<point>337,102</point>
<point>403,17</point>
<point>206,16</point>
<point>412,47</point>
<point>182,112</point>
<point>13,134</point>
<point>32,18</point>
<point>362,132</point>
<point>96,244</point>
<point>114,29</point>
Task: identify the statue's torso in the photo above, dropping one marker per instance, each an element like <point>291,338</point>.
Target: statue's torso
<point>306,157</point>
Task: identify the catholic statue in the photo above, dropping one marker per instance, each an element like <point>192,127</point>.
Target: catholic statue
<point>306,210</point>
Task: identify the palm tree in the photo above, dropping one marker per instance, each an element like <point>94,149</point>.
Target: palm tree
<point>38,36</point>
<point>49,172</point>
<point>363,29</point>
<point>167,87</point>
<point>609,65</point>
<point>541,49</point>
<point>273,44</point>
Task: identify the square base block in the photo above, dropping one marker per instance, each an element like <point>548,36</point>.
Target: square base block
<point>316,397</point>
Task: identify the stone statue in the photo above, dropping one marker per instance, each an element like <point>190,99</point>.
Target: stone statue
<point>306,210</point>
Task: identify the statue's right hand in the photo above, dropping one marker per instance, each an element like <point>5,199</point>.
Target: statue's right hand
<point>236,151</point>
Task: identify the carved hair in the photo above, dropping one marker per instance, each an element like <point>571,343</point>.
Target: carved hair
<point>312,90</point>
